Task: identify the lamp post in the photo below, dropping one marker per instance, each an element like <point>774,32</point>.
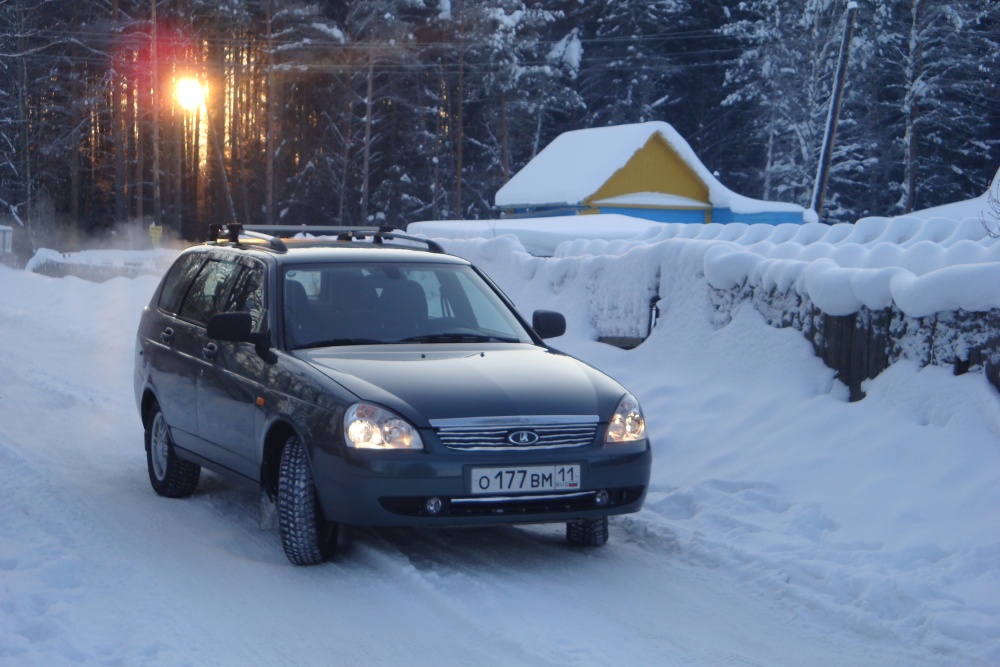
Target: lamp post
<point>191,96</point>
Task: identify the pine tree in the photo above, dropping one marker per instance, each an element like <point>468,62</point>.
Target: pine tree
<point>518,91</point>
<point>784,77</point>
<point>630,74</point>
<point>941,60</point>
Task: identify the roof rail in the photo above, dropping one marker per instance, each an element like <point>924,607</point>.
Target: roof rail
<point>287,231</point>
<point>433,246</point>
<point>274,233</point>
<point>233,231</point>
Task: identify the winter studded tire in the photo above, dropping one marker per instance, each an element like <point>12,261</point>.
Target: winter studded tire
<point>587,532</point>
<point>307,537</point>
<point>170,475</point>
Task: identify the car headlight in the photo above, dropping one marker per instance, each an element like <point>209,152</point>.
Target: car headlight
<point>371,427</point>
<point>627,423</point>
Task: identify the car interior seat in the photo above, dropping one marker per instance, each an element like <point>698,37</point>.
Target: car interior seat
<point>298,315</point>
<point>403,307</point>
<point>353,305</point>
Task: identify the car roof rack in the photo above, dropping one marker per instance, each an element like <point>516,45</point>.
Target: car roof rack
<point>274,234</point>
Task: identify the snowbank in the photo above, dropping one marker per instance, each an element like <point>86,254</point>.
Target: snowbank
<point>923,266</point>
<point>100,265</point>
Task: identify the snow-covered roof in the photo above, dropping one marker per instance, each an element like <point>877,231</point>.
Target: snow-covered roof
<point>577,163</point>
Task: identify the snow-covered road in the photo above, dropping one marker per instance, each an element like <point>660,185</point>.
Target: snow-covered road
<point>97,569</point>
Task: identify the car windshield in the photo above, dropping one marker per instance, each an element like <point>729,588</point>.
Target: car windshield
<point>363,304</point>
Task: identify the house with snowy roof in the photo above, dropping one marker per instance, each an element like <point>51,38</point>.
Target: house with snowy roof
<point>644,170</point>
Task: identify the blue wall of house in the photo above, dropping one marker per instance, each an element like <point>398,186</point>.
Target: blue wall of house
<point>724,215</point>
<point>720,215</point>
<point>658,214</point>
<point>540,211</point>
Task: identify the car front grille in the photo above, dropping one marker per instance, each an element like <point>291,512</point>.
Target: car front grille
<point>518,434</point>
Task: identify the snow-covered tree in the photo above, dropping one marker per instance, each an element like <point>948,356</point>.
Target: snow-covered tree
<point>518,91</point>
<point>397,110</point>
<point>784,77</point>
<point>630,73</point>
<point>990,216</point>
<point>939,63</point>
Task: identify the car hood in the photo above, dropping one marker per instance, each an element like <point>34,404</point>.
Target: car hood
<point>429,382</point>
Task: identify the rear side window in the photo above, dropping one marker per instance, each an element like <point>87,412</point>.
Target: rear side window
<point>178,280</point>
<point>204,299</point>
<point>248,295</point>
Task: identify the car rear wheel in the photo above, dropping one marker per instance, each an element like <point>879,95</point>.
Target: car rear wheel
<point>307,537</point>
<point>170,475</point>
<point>587,532</point>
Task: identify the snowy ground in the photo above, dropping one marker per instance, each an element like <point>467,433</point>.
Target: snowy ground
<point>784,526</point>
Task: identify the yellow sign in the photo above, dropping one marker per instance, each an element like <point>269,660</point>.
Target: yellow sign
<point>156,233</point>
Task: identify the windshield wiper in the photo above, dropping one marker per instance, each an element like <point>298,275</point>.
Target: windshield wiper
<point>341,341</point>
<point>458,338</point>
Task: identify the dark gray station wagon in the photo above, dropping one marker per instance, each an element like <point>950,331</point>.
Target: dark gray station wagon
<point>366,377</point>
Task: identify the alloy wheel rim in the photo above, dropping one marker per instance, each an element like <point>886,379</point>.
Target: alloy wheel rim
<point>159,446</point>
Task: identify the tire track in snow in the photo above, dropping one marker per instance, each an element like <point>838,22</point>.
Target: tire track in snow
<point>429,567</point>
<point>784,550</point>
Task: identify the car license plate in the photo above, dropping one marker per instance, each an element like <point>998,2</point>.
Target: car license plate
<point>526,479</point>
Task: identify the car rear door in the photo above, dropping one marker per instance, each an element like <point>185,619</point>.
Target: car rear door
<point>228,385</point>
<point>189,353</point>
<point>167,343</point>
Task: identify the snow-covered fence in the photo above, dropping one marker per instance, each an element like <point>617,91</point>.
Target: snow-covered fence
<point>862,344</point>
<point>869,294</point>
<point>101,265</point>
<point>865,295</point>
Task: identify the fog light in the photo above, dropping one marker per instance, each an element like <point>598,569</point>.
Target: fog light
<point>433,506</point>
<point>601,498</point>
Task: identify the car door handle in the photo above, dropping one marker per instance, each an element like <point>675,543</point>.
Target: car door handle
<point>167,335</point>
<point>210,351</point>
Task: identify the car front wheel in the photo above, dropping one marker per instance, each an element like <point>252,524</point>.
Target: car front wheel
<point>307,537</point>
<point>170,475</point>
<point>587,532</point>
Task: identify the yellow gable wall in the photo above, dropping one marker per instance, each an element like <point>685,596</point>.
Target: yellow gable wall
<point>655,167</point>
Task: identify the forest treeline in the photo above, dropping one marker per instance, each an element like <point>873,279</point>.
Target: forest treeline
<point>393,111</point>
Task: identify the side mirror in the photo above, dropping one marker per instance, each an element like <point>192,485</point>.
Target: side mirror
<point>548,323</point>
<point>235,327</point>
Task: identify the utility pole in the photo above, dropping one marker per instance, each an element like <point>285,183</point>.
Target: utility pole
<point>459,130</point>
<point>227,194</point>
<point>157,205</point>
<point>271,122</point>
<point>117,131</point>
<point>369,109</point>
<point>826,155</point>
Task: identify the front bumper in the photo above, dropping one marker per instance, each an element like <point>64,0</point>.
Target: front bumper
<point>387,488</point>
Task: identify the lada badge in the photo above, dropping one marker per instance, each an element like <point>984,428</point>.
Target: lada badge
<point>522,438</point>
